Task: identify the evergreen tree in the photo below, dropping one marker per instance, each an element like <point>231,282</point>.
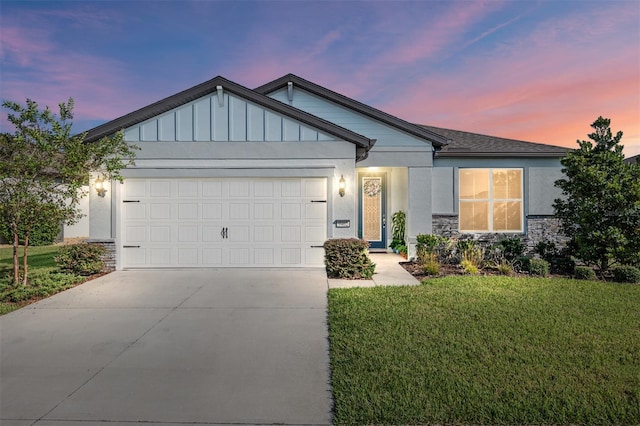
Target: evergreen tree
<point>600,210</point>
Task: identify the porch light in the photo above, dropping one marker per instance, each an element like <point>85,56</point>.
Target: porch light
<point>342,185</point>
<point>100,187</point>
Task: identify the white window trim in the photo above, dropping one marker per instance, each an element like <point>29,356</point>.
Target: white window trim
<point>491,200</point>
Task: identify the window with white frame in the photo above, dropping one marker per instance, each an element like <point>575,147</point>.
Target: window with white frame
<point>490,200</point>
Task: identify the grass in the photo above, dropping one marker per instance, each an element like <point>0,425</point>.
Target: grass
<point>486,350</point>
<point>44,278</point>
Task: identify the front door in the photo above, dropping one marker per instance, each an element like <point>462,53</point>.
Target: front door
<point>372,226</point>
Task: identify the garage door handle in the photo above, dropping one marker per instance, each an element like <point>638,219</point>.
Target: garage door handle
<point>318,201</point>
<point>130,246</point>
<point>224,233</point>
<point>317,246</point>
<point>130,201</point>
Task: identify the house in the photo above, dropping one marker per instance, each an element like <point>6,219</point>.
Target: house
<point>229,176</point>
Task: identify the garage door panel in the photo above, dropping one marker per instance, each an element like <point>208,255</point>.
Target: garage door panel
<point>188,211</point>
<point>160,189</point>
<point>315,211</point>
<point>135,234</point>
<point>264,256</point>
<point>291,256</point>
<point>188,189</point>
<point>135,257</point>
<point>187,256</point>
<point>160,211</point>
<point>212,256</point>
<point>135,189</point>
<point>134,211</point>
<point>239,256</point>
<point>160,234</point>
<point>315,188</point>
<point>223,222</point>
<point>188,234</point>
<point>263,234</point>
<point>212,211</point>
<point>160,256</point>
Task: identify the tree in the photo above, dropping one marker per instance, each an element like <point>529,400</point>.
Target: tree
<point>44,168</point>
<point>600,211</point>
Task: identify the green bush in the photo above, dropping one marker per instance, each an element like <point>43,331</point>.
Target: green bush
<point>511,248</point>
<point>522,263</point>
<point>505,268</point>
<point>398,225</point>
<point>81,259</point>
<point>427,244</point>
<point>41,233</point>
<point>559,260</point>
<point>626,274</point>
<point>539,267</point>
<point>584,273</point>
<point>348,258</point>
<point>41,284</point>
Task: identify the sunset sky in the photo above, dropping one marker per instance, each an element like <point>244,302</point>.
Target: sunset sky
<point>539,71</point>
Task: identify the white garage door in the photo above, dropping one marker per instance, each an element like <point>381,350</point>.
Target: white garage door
<point>223,222</point>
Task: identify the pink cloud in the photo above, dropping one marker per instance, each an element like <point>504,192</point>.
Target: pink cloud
<point>548,87</point>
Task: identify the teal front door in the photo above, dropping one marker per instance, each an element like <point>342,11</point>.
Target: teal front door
<point>372,226</point>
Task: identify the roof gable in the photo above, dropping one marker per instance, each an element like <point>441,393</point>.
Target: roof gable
<point>212,86</point>
<point>435,139</point>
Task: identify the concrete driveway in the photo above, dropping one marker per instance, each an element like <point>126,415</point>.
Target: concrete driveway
<point>241,346</point>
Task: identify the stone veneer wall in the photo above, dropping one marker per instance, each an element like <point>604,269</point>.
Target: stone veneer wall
<point>109,258</point>
<point>539,228</point>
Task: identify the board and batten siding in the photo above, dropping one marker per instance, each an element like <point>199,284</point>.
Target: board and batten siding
<point>205,120</point>
<point>385,135</point>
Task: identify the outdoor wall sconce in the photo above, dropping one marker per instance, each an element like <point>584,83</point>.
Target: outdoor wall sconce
<point>100,187</point>
<point>342,185</point>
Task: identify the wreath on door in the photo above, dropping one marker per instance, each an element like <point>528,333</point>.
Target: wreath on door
<point>372,187</point>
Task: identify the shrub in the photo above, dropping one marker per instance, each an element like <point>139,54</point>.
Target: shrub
<point>584,273</point>
<point>511,248</point>
<point>522,263</point>
<point>626,274</point>
<point>559,260</point>
<point>81,259</point>
<point>474,255</point>
<point>41,284</point>
<point>538,267</point>
<point>427,244</point>
<point>348,258</point>
<point>469,267</point>
<point>41,233</point>
<point>505,268</point>
<point>431,265</point>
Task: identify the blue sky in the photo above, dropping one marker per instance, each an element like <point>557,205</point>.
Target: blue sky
<point>532,70</point>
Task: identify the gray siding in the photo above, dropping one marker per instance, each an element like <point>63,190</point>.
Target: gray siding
<point>204,120</point>
<point>347,118</point>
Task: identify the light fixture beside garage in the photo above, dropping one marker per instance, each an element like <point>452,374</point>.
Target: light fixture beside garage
<point>100,187</point>
<point>342,185</point>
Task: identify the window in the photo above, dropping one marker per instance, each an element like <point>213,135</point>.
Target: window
<point>491,200</point>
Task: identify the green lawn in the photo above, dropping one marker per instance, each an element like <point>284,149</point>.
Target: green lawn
<point>486,350</point>
<point>44,278</point>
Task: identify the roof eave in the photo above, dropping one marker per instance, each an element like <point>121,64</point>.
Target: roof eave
<point>441,154</point>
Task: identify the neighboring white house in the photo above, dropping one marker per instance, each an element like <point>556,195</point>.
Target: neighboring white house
<point>229,176</point>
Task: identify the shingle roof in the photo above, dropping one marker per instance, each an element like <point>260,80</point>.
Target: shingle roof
<point>632,160</point>
<point>363,144</point>
<point>465,144</point>
<point>413,129</point>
